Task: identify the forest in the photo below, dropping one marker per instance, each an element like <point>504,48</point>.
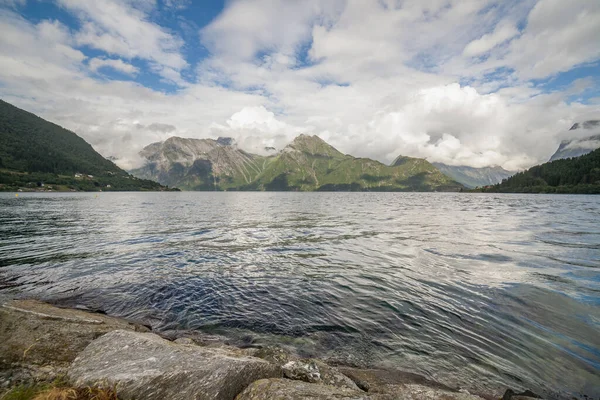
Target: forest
<point>570,175</point>
<point>35,154</point>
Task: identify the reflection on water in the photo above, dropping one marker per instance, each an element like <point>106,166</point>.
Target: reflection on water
<point>482,291</point>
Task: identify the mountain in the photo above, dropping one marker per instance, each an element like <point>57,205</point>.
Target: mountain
<point>35,152</point>
<point>200,164</point>
<point>308,163</point>
<point>474,177</point>
<point>571,175</point>
<point>581,146</point>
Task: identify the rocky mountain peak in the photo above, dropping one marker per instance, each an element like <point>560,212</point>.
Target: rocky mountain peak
<point>579,146</point>
<point>586,125</point>
<point>312,145</point>
<point>401,160</point>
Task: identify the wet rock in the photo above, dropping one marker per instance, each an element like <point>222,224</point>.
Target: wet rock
<point>185,341</point>
<point>332,376</point>
<point>419,392</point>
<point>145,366</point>
<point>306,371</point>
<point>526,395</point>
<point>39,341</point>
<point>347,360</point>
<point>274,354</point>
<point>315,371</point>
<point>280,389</point>
<point>376,380</point>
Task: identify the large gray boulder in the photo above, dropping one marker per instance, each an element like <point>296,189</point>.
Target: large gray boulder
<point>399,385</point>
<point>39,341</point>
<point>285,389</point>
<point>413,391</point>
<point>315,371</point>
<point>145,366</point>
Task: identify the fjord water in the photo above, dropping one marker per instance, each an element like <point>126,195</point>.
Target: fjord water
<point>478,290</point>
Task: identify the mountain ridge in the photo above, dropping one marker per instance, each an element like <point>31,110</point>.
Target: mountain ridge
<point>307,163</point>
<point>576,147</point>
<point>473,177</point>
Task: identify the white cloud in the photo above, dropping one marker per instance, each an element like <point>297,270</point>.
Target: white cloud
<point>116,64</point>
<point>255,128</point>
<point>559,36</point>
<point>488,41</point>
<point>177,4</point>
<point>13,3</point>
<point>123,29</point>
<point>249,27</point>
<point>375,79</point>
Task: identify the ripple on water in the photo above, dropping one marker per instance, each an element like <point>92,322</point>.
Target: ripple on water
<point>481,291</point>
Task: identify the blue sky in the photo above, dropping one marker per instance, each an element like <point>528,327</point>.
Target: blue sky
<point>477,82</point>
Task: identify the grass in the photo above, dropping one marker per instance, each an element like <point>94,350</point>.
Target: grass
<point>58,390</point>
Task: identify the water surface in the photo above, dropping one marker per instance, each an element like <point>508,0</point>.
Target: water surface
<point>481,291</point>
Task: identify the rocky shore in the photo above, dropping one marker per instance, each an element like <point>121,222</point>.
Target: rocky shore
<point>40,343</point>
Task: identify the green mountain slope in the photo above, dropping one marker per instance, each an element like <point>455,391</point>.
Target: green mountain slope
<point>306,164</point>
<point>309,163</point>
<point>474,177</point>
<point>571,175</point>
<point>34,151</point>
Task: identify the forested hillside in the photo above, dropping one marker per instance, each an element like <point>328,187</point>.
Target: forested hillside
<point>571,175</point>
<point>35,152</point>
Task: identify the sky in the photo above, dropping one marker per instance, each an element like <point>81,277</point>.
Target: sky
<point>464,82</point>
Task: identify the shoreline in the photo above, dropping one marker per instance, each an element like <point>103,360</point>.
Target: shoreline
<point>40,342</point>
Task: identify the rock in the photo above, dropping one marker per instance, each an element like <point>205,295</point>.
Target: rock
<point>274,354</point>
<point>400,385</point>
<point>526,395</point>
<point>332,376</point>
<point>185,341</point>
<point>145,366</point>
<point>377,380</point>
<point>315,371</point>
<point>39,341</point>
<point>302,371</point>
<point>419,392</point>
<point>345,359</point>
<point>285,389</point>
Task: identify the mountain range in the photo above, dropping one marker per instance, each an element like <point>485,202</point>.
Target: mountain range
<point>36,154</point>
<point>474,177</point>
<point>308,163</point>
<point>578,147</point>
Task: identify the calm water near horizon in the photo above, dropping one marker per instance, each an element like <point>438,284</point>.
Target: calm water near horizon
<point>483,291</point>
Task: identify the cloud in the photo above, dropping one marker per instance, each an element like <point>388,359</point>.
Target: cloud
<point>256,128</point>
<point>488,41</point>
<point>584,144</point>
<point>123,29</point>
<point>447,80</point>
<point>13,3</point>
<point>249,27</point>
<point>116,64</point>
<point>177,4</point>
<point>559,36</point>
<point>165,128</point>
